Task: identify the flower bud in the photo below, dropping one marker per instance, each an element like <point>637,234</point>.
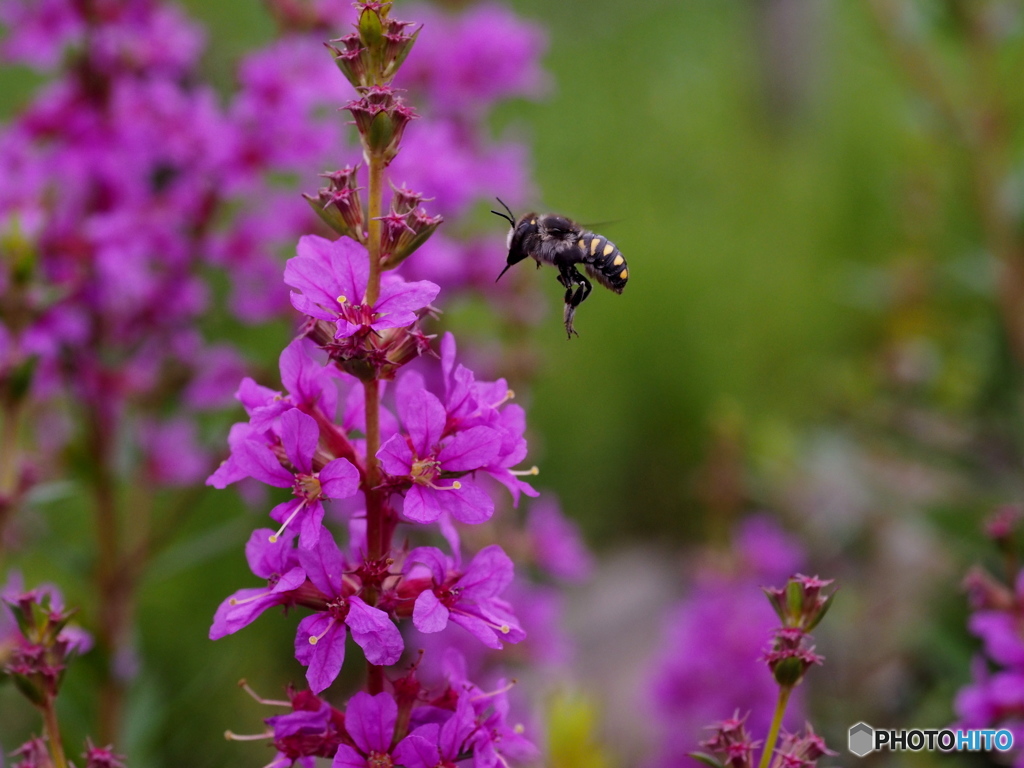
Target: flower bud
<point>339,204</point>
<point>800,750</point>
<point>372,17</point>
<point>373,54</point>
<point>801,603</point>
<point>397,45</point>
<point>381,118</point>
<point>353,59</point>
<point>732,745</point>
<point>402,235</point>
<point>405,200</point>
<point>101,757</point>
<point>791,656</point>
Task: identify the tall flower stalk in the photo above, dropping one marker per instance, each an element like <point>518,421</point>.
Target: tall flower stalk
<point>423,457</point>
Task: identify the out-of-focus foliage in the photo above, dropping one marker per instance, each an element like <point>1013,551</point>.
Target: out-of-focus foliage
<point>572,734</point>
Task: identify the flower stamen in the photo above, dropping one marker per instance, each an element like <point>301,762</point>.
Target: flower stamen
<point>509,394</point>
<point>232,736</point>
<point>490,694</point>
<point>244,685</point>
<point>275,536</point>
<point>261,595</point>
<point>314,639</point>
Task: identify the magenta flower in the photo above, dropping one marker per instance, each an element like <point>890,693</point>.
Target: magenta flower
<point>332,277</point>
<point>476,403</point>
<point>438,746</point>
<point>370,722</point>
<point>274,559</point>
<point>338,479</point>
<point>311,386</point>
<point>422,458</point>
<point>320,638</point>
<point>173,454</point>
<point>496,740</point>
<point>312,729</point>
<point>468,598</point>
<point>556,541</point>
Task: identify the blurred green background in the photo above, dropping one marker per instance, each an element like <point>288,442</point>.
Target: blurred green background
<point>791,213</point>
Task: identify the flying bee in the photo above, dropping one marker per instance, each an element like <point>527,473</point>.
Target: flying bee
<point>552,239</point>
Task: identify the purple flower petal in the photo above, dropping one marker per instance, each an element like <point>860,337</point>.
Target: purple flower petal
<point>233,469</point>
<point>418,751</point>
<point>323,659</point>
<point>469,504</point>
<point>488,574</point>
<point>423,417</point>
<point>423,505</point>
<point>395,456</point>
<point>339,479</point>
<point>375,633</point>
<point>324,565</point>
<point>267,558</point>
<point>472,449</point>
<point>398,297</point>
<point>457,729</point>
<point>239,610</point>
<point>370,721</point>
<point>479,629</point>
<point>229,471</point>
<point>311,528</point>
<point>429,614</point>
<point>252,395</point>
<point>346,757</point>
<point>299,436</point>
<point>318,270</point>
<point>307,306</point>
<point>261,463</point>
<point>308,382</point>
<point>244,606</point>
<point>433,558</point>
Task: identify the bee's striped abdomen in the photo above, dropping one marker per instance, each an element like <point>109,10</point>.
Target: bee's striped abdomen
<point>603,261</point>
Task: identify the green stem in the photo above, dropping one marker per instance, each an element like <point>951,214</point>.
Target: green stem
<point>53,733</point>
<point>378,530</point>
<point>773,732</point>
<point>376,193</point>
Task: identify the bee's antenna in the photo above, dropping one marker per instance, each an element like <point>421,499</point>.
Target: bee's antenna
<point>511,218</point>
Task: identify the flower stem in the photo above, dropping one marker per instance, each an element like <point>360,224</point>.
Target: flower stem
<point>376,528</point>
<point>376,193</point>
<point>53,733</point>
<point>378,531</point>
<point>773,732</point>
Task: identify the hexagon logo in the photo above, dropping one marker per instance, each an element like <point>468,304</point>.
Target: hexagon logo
<point>861,739</point>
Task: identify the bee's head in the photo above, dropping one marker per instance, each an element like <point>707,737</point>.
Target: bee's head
<point>516,231</point>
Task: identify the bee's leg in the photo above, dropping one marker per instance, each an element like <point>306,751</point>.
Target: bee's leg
<point>567,278</point>
<point>571,277</point>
